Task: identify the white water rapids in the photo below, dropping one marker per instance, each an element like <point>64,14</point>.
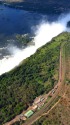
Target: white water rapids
<point>44,33</point>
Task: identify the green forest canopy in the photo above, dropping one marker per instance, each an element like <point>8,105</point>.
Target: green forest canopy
<point>34,76</point>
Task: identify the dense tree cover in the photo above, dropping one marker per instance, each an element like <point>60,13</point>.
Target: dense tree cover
<point>55,116</point>
<point>34,76</point>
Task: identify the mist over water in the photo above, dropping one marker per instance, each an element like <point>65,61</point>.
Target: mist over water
<point>44,32</point>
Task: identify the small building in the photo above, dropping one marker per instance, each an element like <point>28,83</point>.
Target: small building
<point>56,87</point>
<point>34,107</point>
<point>23,118</point>
<point>29,113</point>
<point>53,91</point>
<point>42,99</point>
<point>38,100</point>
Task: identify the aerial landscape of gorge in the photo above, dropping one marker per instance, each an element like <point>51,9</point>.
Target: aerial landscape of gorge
<point>34,62</point>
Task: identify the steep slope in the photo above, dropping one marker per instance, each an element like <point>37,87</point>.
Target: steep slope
<point>35,75</point>
<point>59,114</point>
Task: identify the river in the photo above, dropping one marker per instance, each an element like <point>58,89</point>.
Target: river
<point>16,21</point>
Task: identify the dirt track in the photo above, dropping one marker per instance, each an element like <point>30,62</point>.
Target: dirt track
<point>48,106</point>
